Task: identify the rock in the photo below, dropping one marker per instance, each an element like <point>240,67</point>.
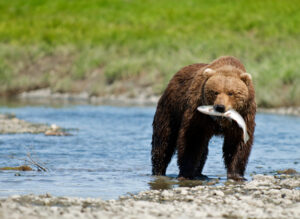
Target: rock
<point>184,192</point>
<point>54,127</point>
<point>166,193</point>
<point>219,193</point>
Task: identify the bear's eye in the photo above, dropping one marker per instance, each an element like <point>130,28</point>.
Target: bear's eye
<point>216,93</point>
<point>230,93</point>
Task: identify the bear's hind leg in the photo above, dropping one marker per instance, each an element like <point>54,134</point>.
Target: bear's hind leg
<point>163,143</point>
<point>161,157</point>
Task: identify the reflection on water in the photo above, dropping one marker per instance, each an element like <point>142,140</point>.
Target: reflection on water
<point>165,182</point>
<point>109,152</point>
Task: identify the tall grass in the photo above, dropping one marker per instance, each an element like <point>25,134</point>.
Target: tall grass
<point>72,46</point>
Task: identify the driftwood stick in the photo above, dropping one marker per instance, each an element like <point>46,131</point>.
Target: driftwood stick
<point>35,163</point>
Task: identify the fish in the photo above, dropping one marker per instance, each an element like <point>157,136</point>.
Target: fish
<point>230,114</point>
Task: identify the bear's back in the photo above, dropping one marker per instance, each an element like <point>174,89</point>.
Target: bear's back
<point>174,97</point>
<point>227,61</point>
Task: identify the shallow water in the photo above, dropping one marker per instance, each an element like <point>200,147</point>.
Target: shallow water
<point>109,152</point>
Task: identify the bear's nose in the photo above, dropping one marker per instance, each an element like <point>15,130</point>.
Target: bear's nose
<point>219,108</point>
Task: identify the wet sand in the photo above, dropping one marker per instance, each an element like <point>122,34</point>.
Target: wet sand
<point>263,197</point>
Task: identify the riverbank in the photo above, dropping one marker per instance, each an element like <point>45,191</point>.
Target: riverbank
<point>9,124</point>
<point>140,97</point>
<point>263,197</point>
<point>292,111</point>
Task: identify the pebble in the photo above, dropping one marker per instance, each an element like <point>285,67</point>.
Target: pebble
<point>165,193</point>
<point>219,193</point>
<point>184,192</point>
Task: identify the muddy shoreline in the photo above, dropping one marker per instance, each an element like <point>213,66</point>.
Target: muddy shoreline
<point>263,197</point>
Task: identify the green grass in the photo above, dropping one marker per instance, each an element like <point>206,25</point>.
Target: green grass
<point>72,46</point>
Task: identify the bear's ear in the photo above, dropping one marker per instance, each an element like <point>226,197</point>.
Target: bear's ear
<point>246,77</point>
<point>208,72</point>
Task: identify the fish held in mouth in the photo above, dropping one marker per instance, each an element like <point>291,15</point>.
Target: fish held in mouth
<point>230,114</point>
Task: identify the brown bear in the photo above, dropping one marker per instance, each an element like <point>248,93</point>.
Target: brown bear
<point>177,124</point>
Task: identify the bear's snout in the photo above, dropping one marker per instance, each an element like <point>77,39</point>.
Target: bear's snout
<point>219,108</point>
<point>222,103</point>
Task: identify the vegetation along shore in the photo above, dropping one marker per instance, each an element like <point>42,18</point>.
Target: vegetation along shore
<point>116,47</point>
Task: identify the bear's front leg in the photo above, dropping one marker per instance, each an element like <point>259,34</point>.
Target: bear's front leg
<point>192,147</point>
<point>236,154</point>
<point>201,163</point>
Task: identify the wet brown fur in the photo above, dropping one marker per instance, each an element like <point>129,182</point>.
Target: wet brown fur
<point>178,125</point>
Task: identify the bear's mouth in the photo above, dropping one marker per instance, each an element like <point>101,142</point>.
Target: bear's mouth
<point>222,121</point>
<point>225,119</point>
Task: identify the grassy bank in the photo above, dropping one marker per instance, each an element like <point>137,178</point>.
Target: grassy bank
<point>107,46</point>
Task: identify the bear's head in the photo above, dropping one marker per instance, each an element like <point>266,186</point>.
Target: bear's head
<point>227,89</point>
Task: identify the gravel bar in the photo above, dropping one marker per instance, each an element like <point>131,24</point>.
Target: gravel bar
<point>265,196</point>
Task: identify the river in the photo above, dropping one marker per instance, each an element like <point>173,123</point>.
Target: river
<point>108,154</point>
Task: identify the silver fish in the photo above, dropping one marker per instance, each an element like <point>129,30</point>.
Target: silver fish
<point>231,114</point>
